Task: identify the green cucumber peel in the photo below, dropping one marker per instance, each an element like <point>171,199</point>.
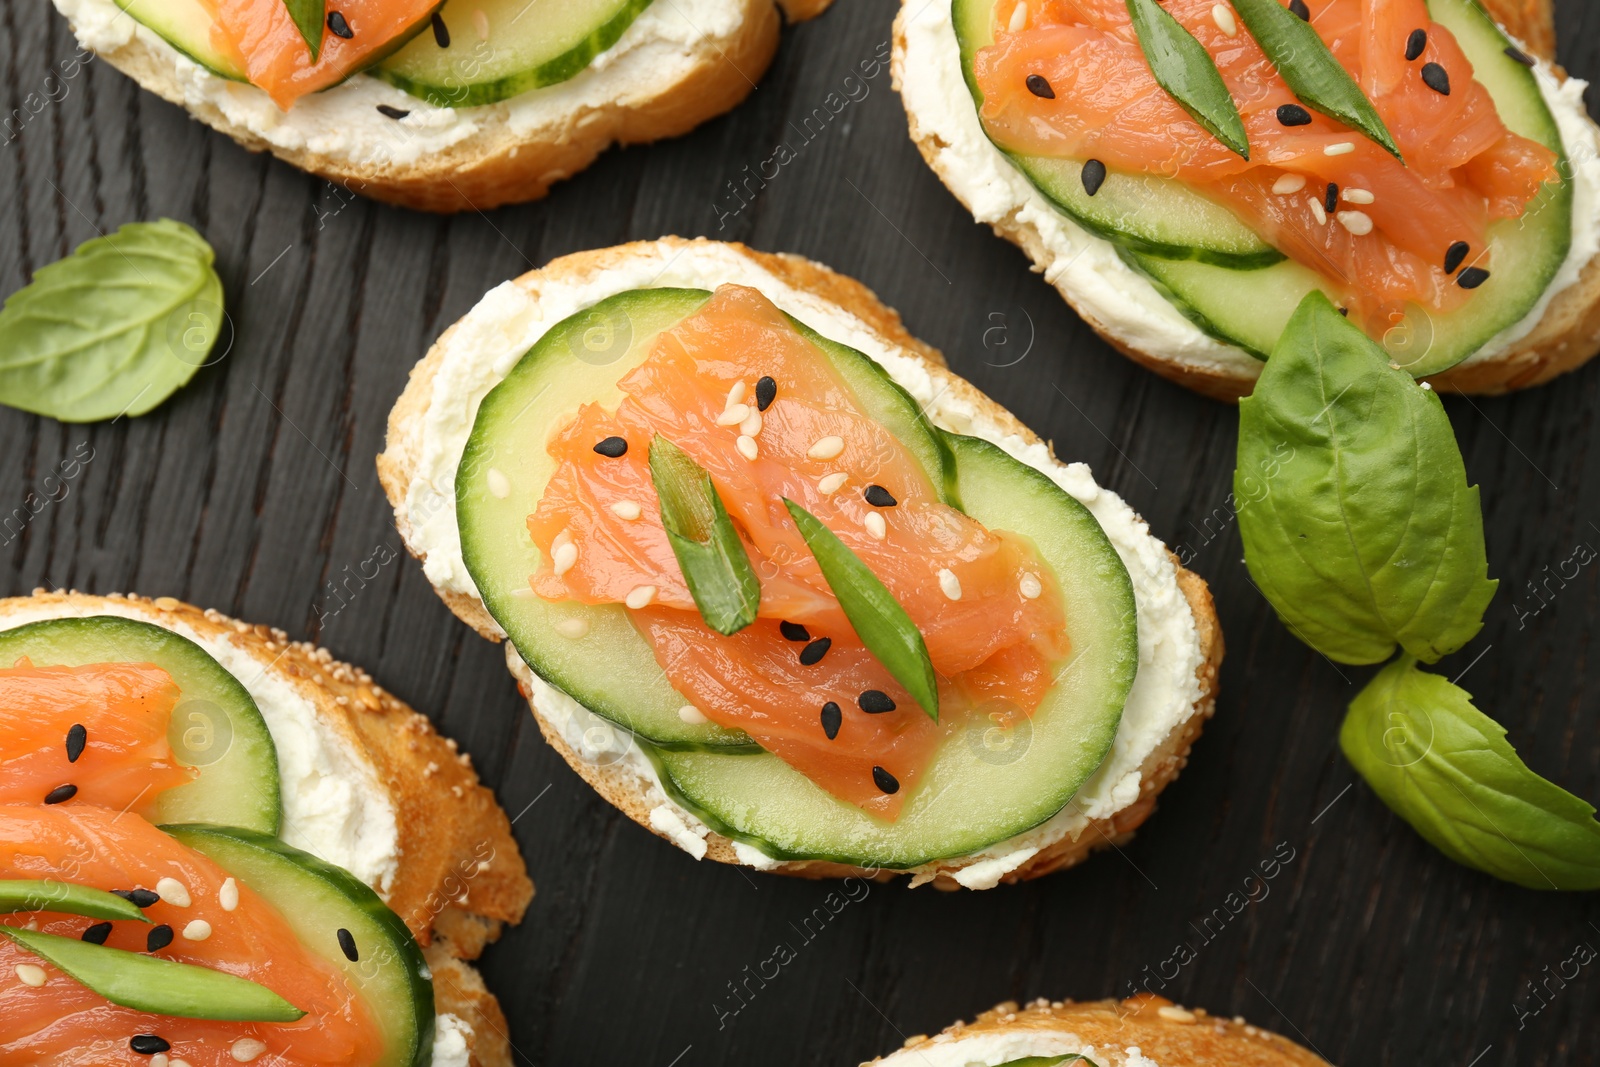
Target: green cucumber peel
<point>1184,68</point>
<point>1368,536</point>
<point>155,985</point>
<point>1446,768</point>
<point>18,894</point>
<point>1312,73</point>
<point>878,619</point>
<point>1048,1061</point>
<point>713,560</point>
<point>308,17</point>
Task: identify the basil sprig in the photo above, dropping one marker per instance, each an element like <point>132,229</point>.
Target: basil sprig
<point>155,985</point>
<point>308,17</point>
<point>878,619</point>
<point>1370,536</point>
<point>713,560</point>
<point>1184,68</point>
<point>65,898</point>
<point>115,328</point>
<point>1310,69</point>
<point>1447,769</point>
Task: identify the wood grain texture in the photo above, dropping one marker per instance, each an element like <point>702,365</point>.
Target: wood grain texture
<point>253,491</point>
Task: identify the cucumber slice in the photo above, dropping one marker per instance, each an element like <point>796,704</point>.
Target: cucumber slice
<point>1144,213</point>
<point>974,794</point>
<point>317,900</point>
<point>186,26</point>
<point>216,726</point>
<point>611,670</point>
<point>535,43</point>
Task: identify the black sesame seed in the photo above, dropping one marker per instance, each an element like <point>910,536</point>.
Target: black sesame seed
<point>1454,256</point>
<point>793,631</point>
<point>158,938</point>
<point>1039,87</point>
<point>77,737</point>
<point>875,702</point>
<point>1436,78</point>
<point>347,945</point>
<point>139,898</point>
<point>885,781</point>
<point>612,447</point>
<point>1330,199</point>
<point>61,793</point>
<point>766,392</point>
<point>1415,44</point>
<point>1345,312</point>
<point>1519,55</point>
<point>1472,277</point>
<point>148,1044</point>
<point>1094,176</point>
<point>1293,115</point>
<point>441,32</point>
<point>1299,8</point>
<point>396,113</point>
<point>812,654</point>
<point>338,26</point>
<point>96,934</point>
<point>832,719</point>
<point>879,497</point>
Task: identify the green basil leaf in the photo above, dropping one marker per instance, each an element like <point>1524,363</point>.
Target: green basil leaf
<point>308,17</point>
<point>1445,767</point>
<point>1185,69</point>
<point>1366,534</point>
<point>115,328</point>
<point>1310,69</point>
<point>156,985</point>
<point>879,620</point>
<point>65,898</point>
<point>713,560</point>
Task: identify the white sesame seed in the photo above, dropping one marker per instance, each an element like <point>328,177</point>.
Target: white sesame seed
<point>1319,211</point>
<point>736,394</point>
<point>1427,385</point>
<point>562,538</point>
<point>562,559</point>
<point>1224,20</point>
<point>228,895</point>
<point>30,975</point>
<point>1343,148</point>
<point>1357,222</point>
<point>575,628</point>
<point>171,891</point>
<point>198,930</point>
<point>949,584</point>
<point>751,426</point>
<point>247,1049</point>
<point>1019,19</point>
<point>499,484</point>
<point>876,526</point>
<point>826,448</point>
<point>160,1059</point>
<point>627,510</point>
<point>692,715</point>
<point>1359,196</point>
<point>747,447</point>
<point>640,597</point>
<point>829,484</point>
<point>1030,586</point>
<point>1288,184</point>
<point>734,415</point>
<point>1175,1014</point>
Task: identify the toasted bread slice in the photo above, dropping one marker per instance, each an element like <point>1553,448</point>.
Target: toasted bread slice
<point>1565,337</point>
<point>1142,1029</point>
<point>649,88</point>
<point>807,290</point>
<point>459,876</point>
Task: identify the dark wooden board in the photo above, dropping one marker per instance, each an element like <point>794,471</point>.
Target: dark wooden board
<point>253,491</point>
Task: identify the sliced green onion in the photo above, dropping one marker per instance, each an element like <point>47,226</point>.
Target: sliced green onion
<point>710,554</point>
<point>879,620</point>
<point>22,895</point>
<point>1311,71</point>
<point>155,985</point>
<point>308,17</point>
<point>1187,72</point>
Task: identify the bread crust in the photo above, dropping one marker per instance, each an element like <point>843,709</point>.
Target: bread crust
<point>616,782</point>
<point>496,165</point>
<point>1565,338</point>
<point>1161,1030</point>
<point>460,871</point>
